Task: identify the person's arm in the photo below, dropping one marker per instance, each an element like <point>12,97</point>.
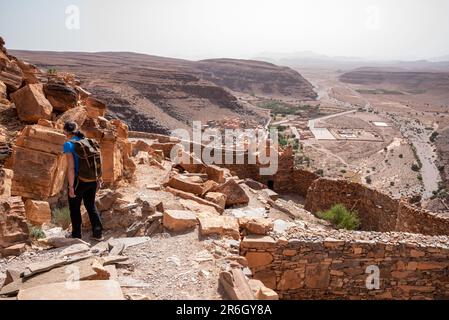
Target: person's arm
<point>71,174</point>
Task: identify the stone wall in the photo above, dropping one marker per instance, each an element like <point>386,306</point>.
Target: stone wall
<point>377,211</point>
<point>417,220</point>
<point>334,265</point>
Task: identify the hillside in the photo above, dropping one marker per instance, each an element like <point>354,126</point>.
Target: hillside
<point>157,94</point>
<point>257,77</point>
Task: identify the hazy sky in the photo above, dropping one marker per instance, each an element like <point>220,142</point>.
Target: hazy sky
<point>405,29</point>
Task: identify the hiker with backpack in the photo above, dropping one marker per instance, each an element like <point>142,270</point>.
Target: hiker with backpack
<point>84,177</point>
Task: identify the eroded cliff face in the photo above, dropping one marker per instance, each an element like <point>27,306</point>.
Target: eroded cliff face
<point>257,77</point>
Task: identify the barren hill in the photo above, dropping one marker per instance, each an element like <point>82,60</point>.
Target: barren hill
<point>257,77</point>
<point>157,94</point>
<point>405,80</point>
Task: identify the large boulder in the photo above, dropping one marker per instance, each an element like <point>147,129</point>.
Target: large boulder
<point>215,173</point>
<point>37,212</point>
<point>95,107</point>
<point>216,197</point>
<point>13,225</point>
<point>221,225</point>
<point>38,163</point>
<point>31,103</point>
<point>179,220</point>
<point>178,182</point>
<point>61,96</point>
<point>234,193</point>
<point>10,73</point>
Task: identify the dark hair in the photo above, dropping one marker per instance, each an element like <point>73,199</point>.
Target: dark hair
<point>72,127</point>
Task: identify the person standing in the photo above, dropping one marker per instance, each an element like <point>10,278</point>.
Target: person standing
<point>84,178</point>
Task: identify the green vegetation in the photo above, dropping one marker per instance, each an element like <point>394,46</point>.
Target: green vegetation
<point>415,167</point>
<point>341,218</point>
<point>433,136</point>
<point>61,217</point>
<point>278,107</point>
<point>319,172</point>
<point>52,71</point>
<point>368,180</point>
<point>36,232</point>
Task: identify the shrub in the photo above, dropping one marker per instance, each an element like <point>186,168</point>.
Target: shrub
<point>401,156</point>
<point>340,217</point>
<point>415,167</point>
<point>36,232</point>
<point>61,217</point>
<point>319,172</point>
<point>368,180</point>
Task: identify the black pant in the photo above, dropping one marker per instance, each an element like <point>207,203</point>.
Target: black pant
<point>84,191</point>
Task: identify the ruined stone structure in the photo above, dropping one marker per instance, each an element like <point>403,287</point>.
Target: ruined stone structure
<point>339,265</point>
<point>377,211</point>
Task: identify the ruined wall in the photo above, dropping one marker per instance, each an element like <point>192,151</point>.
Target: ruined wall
<point>377,211</point>
<point>334,266</point>
<point>417,220</point>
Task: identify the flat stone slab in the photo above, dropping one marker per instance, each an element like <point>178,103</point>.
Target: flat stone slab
<point>81,290</point>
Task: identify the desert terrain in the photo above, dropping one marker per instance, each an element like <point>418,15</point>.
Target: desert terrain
<point>386,126</point>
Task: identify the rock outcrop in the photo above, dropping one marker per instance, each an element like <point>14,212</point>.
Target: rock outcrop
<point>31,103</point>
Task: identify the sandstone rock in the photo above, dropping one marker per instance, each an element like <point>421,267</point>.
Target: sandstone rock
<point>215,173</point>
<point>13,226</point>
<point>14,250</point>
<point>178,182</point>
<point>61,96</point>
<point>95,108</point>
<point>82,290</point>
<point>29,72</point>
<point>258,242</point>
<point>6,176</point>
<point>235,285</point>
<point>234,193</point>
<point>208,186</point>
<point>10,73</point>
<point>12,275</point>
<point>216,197</point>
<point>106,199</point>
<point>261,292</point>
<point>179,220</point>
<point>256,225</point>
<point>140,145</point>
<point>38,162</point>
<point>31,103</point>
<point>258,259</point>
<point>37,212</point>
<point>121,128</point>
<point>77,115</point>
<point>190,196</point>
<point>221,225</point>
